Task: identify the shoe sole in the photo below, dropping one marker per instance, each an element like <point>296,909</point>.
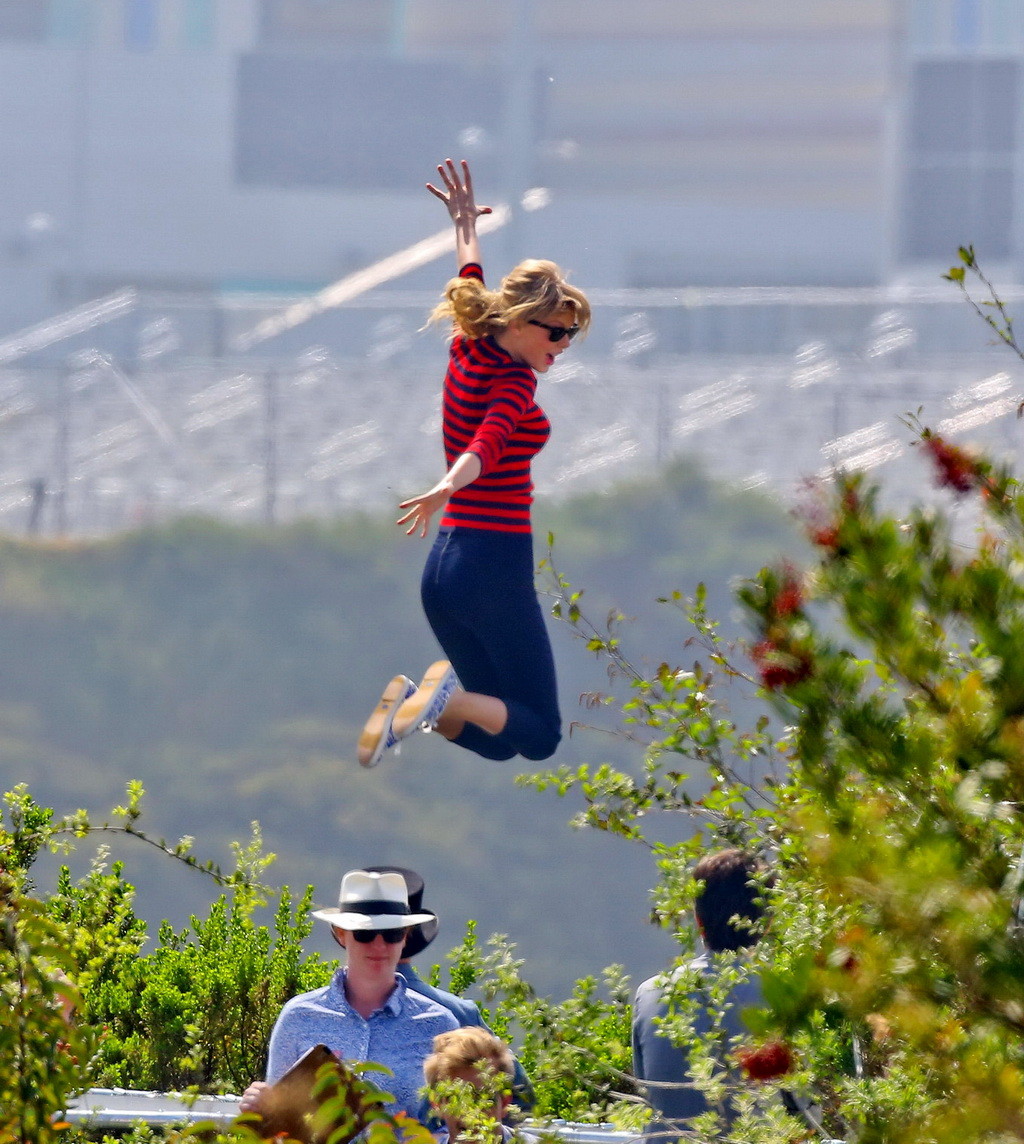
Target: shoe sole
<point>439,680</point>
<point>374,738</point>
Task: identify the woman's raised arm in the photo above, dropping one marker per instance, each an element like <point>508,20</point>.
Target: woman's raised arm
<point>462,208</point>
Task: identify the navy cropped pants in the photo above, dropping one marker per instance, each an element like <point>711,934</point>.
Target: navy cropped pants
<point>479,598</point>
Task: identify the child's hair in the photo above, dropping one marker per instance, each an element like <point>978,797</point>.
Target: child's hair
<point>533,289</point>
<point>464,1048</point>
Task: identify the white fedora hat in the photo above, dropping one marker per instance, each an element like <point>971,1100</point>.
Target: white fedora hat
<point>371,900</point>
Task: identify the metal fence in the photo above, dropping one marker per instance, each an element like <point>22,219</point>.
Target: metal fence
<point>140,408</point>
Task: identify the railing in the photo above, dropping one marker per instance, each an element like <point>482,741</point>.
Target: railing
<point>121,1108</point>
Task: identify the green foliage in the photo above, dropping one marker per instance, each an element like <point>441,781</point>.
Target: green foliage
<point>677,717</point>
<point>991,308</point>
<point>44,1057</point>
<point>707,781</point>
<point>576,1052</point>
<point>198,1010</point>
<point>139,1134</point>
<point>912,770</point>
<point>886,793</point>
<point>31,828</point>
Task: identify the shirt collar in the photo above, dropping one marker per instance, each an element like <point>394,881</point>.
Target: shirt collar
<point>408,973</point>
<point>393,1006</point>
<point>492,342</point>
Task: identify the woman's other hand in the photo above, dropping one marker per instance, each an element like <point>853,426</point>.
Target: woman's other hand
<point>422,508</point>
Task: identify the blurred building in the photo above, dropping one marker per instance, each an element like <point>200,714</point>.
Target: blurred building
<point>760,198</point>
<point>210,145</point>
<point>958,152</point>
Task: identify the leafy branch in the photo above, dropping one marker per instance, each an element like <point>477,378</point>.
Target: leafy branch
<point>991,309</point>
<point>671,711</point>
<point>30,828</point>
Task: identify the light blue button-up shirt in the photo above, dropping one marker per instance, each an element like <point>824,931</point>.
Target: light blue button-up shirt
<point>400,1034</point>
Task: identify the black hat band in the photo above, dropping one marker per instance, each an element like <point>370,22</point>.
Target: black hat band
<point>374,907</point>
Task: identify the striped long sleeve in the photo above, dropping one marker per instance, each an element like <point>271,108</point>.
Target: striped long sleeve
<point>489,410</point>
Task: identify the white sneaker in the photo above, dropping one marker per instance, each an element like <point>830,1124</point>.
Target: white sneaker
<point>425,706</point>
<point>378,735</point>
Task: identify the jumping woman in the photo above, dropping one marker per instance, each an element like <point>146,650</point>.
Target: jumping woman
<point>496,693</point>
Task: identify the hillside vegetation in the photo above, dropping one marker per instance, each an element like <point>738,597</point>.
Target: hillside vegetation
<point>229,669</point>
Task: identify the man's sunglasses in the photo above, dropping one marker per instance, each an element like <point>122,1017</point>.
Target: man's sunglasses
<point>391,936</point>
<point>556,333</point>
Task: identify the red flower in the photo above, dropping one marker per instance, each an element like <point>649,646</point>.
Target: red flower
<point>825,536</point>
<point>767,1062</point>
<point>779,668</point>
<point>790,599</point>
<point>957,470</point>
<point>818,513</point>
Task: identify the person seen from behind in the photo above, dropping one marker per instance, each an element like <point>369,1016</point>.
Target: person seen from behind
<point>729,915</point>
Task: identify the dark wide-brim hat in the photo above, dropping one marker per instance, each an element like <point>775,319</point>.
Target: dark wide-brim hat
<point>372,900</point>
<point>422,933</point>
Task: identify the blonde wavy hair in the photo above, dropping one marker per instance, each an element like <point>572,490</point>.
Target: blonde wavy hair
<point>465,1048</point>
<point>533,289</point>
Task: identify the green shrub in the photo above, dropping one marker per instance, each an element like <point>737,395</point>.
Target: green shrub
<point>198,1010</point>
<point>44,1058</point>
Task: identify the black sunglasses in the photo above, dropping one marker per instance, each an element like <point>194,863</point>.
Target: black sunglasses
<point>556,333</point>
<point>391,936</point>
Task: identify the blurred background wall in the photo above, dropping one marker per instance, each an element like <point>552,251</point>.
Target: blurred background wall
<point>212,145</point>
<point>760,199</point>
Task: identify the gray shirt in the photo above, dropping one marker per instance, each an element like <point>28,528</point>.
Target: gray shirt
<point>656,1058</point>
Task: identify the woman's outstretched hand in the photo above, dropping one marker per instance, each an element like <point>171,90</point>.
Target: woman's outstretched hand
<point>458,197</point>
<point>422,508</point>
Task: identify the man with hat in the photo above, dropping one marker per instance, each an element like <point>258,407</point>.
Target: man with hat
<point>367,1012</point>
<point>466,1012</point>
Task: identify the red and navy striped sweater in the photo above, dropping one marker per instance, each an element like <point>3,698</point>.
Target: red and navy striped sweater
<point>488,409</point>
